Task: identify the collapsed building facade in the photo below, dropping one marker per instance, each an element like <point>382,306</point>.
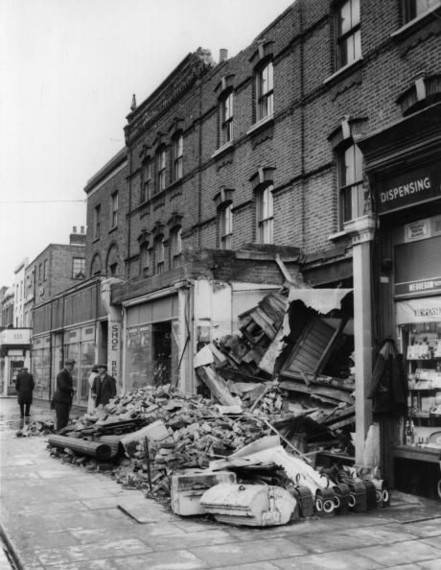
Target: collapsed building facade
<point>299,163</point>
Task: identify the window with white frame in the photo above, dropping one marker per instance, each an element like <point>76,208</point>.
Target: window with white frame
<point>226,226</point>
<point>114,220</point>
<point>161,169</point>
<point>264,92</point>
<point>178,156</point>
<point>226,118</point>
<point>350,172</point>
<point>78,268</point>
<point>415,8</point>
<point>176,247</point>
<point>97,222</point>
<point>159,255</point>
<point>264,214</point>
<point>145,192</point>
<point>348,33</point>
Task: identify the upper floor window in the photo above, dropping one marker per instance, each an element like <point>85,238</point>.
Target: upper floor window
<point>161,169</point>
<point>97,221</point>
<point>146,182</point>
<point>145,257</point>
<point>348,35</point>
<point>40,273</point>
<point>226,118</point>
<point>226,227</point>
<point>176,247</point>
<point>178,156</point>
<point>78,268</point>
<point>264,92</point>
<point>45,272</point>
<point>114,209</point>
<point>159,255</point>
<point>350,171</point>
<point>264,204</point>
<point>415,8</point>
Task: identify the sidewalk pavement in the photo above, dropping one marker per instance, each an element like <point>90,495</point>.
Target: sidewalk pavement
<point>58,516</point>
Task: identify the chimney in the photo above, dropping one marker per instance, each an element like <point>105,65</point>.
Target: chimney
<point>223,55</point>
<point>77,239</point>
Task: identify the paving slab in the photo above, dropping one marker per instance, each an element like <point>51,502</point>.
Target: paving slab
<point>59,516</point>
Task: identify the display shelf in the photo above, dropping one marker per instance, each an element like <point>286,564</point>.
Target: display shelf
<point>428,454</point>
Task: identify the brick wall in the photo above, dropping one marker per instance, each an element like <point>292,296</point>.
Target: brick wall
<point>310,101</point>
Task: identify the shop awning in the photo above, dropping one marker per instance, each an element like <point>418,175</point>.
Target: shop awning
<point>423,310</point>
<point>321,300</point>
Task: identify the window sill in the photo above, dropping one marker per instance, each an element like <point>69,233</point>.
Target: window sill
<point>224,148</point>
<point>113,229</point>
<point>338,235</point>
<point>263,122</point>
<point>95,240</point>
<point>415,23</point>
<point>344,71</point>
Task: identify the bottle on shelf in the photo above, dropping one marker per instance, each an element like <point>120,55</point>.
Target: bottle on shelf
<point>408,433</point>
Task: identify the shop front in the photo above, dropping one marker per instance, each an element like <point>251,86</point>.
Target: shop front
<point>14,355</point>
<point>404,169</point>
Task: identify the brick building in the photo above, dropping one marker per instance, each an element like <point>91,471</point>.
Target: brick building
<point>316,146</point>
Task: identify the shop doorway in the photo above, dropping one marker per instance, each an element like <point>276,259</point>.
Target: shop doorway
<point>162,353</point>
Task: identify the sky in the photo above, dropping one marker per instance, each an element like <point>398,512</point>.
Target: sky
<point>68,69</point>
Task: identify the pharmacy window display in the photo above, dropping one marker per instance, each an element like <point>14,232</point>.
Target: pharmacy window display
<point>422,345</point>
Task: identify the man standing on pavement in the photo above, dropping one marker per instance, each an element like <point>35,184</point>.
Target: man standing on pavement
<point>24,384</point>
<point>63,395</point>
<point>104,386</point>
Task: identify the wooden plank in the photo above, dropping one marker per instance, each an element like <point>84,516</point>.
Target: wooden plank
<point>217,386</point>
<point>333,393</point>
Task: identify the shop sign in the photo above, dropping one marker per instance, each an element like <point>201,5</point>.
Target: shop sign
<point>409,189</point>
<point>115,340</point>
<point>415,287</point>
<point>419,311</point>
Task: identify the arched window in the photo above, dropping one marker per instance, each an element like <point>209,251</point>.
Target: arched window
<point>176,246</point>
<point>178,156</point>
<point>264,213</point>
<point>159,254</point>
<point>161,169</point>
<point>112,260</point>
<point>95,266</point>
<point>145,192</point>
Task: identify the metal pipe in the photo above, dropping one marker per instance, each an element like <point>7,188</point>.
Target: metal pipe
<point>85,447</point>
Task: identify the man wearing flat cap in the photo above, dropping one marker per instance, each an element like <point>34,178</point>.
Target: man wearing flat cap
<point>103,387</point>
<point>63,395</point>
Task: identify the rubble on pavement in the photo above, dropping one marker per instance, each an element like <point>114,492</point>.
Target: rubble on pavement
<point>267,381</point>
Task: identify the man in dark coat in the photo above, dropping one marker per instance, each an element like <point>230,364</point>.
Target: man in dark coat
<point>103,387</point>
<point>63,395</point>
<point>24,384</point>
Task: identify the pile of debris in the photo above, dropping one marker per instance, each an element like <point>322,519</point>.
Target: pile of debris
<point>36,428</point>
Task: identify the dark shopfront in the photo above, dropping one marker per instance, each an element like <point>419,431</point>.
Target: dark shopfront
<point>404,168</point>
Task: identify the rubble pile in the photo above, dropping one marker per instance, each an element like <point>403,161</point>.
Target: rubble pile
<point>36,428</point>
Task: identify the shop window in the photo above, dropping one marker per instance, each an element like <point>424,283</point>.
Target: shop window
<point>226,118</point>
<point>176,247</point>
<point>97,222</point>
<point>264,214</point>
<point>413,9</point>
<point>348,46</point>
<point>351,188</point>
<point>114,220</point>
<point>226,226</point>
<point>78,268</point>
<point>161,169</point>
<point>264,92</point>
<point>178,156</point>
